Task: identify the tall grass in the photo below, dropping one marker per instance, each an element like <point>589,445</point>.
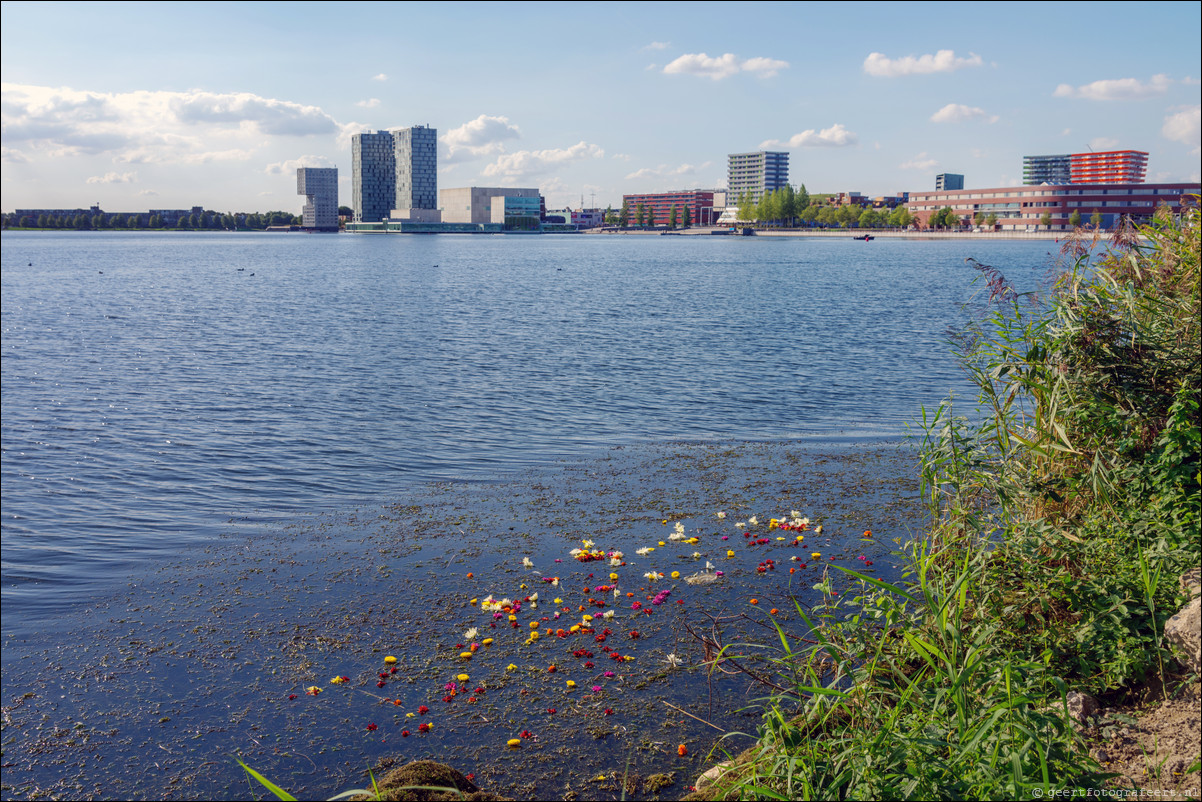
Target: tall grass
<point>1058,506</point>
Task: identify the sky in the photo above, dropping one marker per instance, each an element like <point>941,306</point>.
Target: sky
<point>173,105</point>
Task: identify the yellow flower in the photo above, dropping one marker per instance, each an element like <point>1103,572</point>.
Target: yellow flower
<point>312,690</point>
<point>676,574</point>
<point>815,554</point>
<point>466,655</point>
<point>559,601</point>
<point>487,641</point>
<point>587,618</point>
<point>662,543</point>
<point>463,678</point>
<point>514,743</point>
<point>730,552</point>
<point>411,715</point>
<point>571,684</point>
<point>511,667</point>
<point>390,660</point>
<point>772,524</point>
<point>614,577</point>
<point>336,681</point>
<point>474,602</point>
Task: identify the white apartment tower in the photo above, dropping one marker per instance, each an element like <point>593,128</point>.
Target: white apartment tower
<point>755,174</point>
<point>319,185</point>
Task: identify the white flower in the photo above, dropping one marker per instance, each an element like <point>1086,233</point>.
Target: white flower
<point>696,555</point>
<point>709,566</point>
<point>471,634</point>
<point>643,552</point>
<point>721,513</point>
<point>752,521</point>
<point>526,561</point>
<point>609,613</point>
<point>795,514</point>
<point>651,576</point>
<point>672,660</point>
<point>588,544</point>
<point>555,582</point>
<point>676,536</point>
<point>533,597</point>
<point>679,528</point>
<point>575,552</point>
<point>616,593</point>
<point>740,525</point>
<point>615,562</point>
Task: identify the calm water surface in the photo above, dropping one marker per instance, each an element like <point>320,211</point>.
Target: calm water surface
<point>156,386</point>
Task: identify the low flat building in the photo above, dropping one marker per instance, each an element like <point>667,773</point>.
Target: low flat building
<point>1023,208</point>
<point>474,204</point>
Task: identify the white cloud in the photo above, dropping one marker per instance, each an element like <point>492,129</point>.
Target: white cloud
<point>1103,143</point>
<point>882,66</point>
<point>151,127</point>
<point>114,178</point>
<point>1066,132</point>
<point>1185,126</point>
<point>623,157</point>
<point>657,46</point>
<point>723,66</point>
<point>10,156</point>
<point>664,171</point>
<point>290,166</point>
<point>920,162</point>
<point>525,163</point>
<point>380,77</point>
<point>149,193</point>
<point>476,138</point>
<point>834,137</point>
<point>1117,89</point>
<point>958,112</point>
<point>370,103</point>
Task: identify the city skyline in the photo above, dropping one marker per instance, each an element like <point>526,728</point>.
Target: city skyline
<point>218,104</point>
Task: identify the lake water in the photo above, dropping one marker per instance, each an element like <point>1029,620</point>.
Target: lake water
<point>164,392</point>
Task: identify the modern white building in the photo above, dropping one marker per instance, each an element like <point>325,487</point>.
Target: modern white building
<point>755,174</point>
<point>395,175</point>
<point>488,204</point>
<point>319,185</point>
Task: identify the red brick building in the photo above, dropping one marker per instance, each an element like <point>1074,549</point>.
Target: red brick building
<point>1022,208</point>
<point>699,204</point>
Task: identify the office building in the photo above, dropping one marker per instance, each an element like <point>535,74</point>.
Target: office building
<point>373,176</point>
<point>1109,167</point>
<point>395,175</point>
<point>949,181</point>
<point>1046,170</point>
<point>478,204</point>
<point>755,174</point>
<point>1024,208</point>
<point>319,185</point>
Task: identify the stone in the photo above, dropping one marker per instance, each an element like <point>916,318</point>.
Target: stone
<point>1081,706</point>
<point>1184,630</point>
<point>712,775</point>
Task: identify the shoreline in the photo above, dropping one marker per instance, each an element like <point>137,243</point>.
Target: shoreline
<point>853,233</point>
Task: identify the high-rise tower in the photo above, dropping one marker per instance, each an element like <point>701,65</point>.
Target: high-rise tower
<point>756,174</point>
<point>394,170</point>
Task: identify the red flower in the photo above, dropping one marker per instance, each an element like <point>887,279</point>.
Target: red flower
<point>404,733</point>
<point>381,684</point>
<point>291,696</point>
<point>371,727</point>
<point>551,711</point>
<point>423,710</point>
<point>423,727</point>
<point>609,711</point>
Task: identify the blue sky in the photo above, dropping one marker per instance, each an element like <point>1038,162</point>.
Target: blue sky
<point>179,104</point>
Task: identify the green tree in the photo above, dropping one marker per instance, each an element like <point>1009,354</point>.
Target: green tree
<point>346,211</point>
<point>1074,219</point>
<point>673,215</point>
<point>809,214</point>
<point>624,215</point>
<point>828,215</point>
<point>869,219</point>
<point>1095,219</point>
<point>640,215</point>
<point>156,221</point>
<point>651,217</point>
<point>847,215</point>
<point>686,218</point>
<point>135,221</point>
<point>746,208</point>
<point>1046,220</point>
<point>991,220</point>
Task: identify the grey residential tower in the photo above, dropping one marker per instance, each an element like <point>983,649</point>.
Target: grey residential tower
<point>395,171</point>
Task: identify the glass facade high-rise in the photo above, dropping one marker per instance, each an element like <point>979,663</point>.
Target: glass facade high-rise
<point>373,176</point>
<point>394,170</point>
<point>756,174</point>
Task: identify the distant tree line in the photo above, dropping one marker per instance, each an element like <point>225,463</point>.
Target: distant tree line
<point>202,221</point>
<point>792,207</point>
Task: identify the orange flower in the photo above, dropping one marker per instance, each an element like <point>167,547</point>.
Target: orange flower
<point>682,750</point>
<point>772,611</point>
<point>755,601</point>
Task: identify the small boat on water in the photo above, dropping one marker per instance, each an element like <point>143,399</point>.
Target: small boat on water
<point>865,237</point>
